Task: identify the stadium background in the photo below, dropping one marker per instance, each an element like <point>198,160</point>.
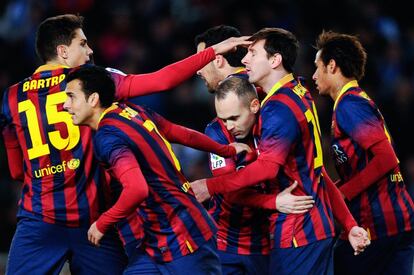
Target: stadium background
<point>145,35</point>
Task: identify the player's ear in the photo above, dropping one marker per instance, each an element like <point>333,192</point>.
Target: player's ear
<point>220,61</point>
<point>255,106</point>
<point>62,51</point>
<point>332,66</point>
<point>93,99</point>
<point>275,60</point>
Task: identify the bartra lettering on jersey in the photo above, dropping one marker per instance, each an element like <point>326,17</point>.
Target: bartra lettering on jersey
<point>35,84</point>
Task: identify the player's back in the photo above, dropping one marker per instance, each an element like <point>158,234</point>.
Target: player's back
<point>175,224</point>
<point>60,176</point>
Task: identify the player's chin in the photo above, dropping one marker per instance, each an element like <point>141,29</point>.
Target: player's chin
<point>75,121</point>
<point>240,135</point>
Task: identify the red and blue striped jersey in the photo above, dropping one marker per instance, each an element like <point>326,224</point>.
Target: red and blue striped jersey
<point>61,178</point>
<point>174,223</point>
<point>385,208</point>
<point>241,230</point>
<point>289,136</point>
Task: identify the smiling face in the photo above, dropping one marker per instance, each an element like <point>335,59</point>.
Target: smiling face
<point>78,52</point>
<point>321,76</point>
<point>238,116</point>
<point>257,62</point>
<point>76,103</point>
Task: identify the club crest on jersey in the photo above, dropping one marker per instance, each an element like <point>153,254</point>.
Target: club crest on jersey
<point>217,161</point>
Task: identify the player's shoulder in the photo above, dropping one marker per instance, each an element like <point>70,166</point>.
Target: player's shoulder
<point>214,124</point>
<point>217,131</point>
<point>352,100</point>
<point>215,127</point>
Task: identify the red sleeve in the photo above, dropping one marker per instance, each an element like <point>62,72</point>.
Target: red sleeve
<point>383,161</point>
<point>134,192</point>
<point>188,137</point>
<point>14,153</point>
<point>339,208</point>
<point>166,78</point>
<point>245,177</point>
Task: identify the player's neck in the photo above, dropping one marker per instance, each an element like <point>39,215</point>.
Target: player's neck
<point>272,78</point>
<point>339,82</point>
<point>58,62</point>
<point>96,118</point>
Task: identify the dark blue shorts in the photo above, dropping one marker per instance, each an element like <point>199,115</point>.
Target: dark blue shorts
<point>43,248</point>
<point>389,255</point>
<point>202,262</point>
<point>314,258</point>
<point>244,264</point>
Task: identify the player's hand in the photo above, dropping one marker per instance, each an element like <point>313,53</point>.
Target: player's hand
<point>200,190</point>
<point>291,204</point>
<point>94,235</point>
<point>240,147</point>
<point>358,238</point>
<point>231,44</point>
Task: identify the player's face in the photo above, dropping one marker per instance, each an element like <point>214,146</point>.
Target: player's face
<point>321,76</point>
<point>238,117</point>
<point>78,52</point>
<point>76,103</point>
<point>209,72</point>
<point>258,64</point>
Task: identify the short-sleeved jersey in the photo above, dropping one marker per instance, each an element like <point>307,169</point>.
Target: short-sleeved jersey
<point>241,230</point>
<point>385,208</point>
<point>61,178</point>
<point>288,134</point>
<point>174,223</point>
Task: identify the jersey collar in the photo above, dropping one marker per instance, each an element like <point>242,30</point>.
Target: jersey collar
<point>287,78</point>
<point>107,110</point>
<point>350,84</point>
<point>49,67</point>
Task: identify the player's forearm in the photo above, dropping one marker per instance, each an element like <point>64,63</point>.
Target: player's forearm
<point>383,161</point>
<point>339,208</point>
<point>167,77</point>
<point>197,140</point>
<point>254,173</point>
<point>134,192</point>
<point>14,153</point>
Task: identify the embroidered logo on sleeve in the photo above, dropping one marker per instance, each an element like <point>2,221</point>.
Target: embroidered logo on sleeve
<point>217,161</point>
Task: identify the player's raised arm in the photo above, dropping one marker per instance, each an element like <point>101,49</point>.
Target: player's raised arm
<point>133,85</point>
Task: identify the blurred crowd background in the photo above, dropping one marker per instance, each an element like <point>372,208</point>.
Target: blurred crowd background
<point>138,36</point>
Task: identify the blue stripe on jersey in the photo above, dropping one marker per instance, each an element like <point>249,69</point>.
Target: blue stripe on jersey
<point>35,164</point>
<point>375,204</point>
<point>392,193</point>
<point>324,218</point>
<point>155,183</point>
<point>280,219</point>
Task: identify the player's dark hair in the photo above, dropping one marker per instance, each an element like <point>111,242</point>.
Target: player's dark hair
<point>279,41</point>
<point>346,50</point>
<point>55,31</point>
<point>220,33</point>
<point>241,86</point>
<point>95,79</point>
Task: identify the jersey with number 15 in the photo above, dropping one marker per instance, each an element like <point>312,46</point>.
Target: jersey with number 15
<point>61,181</point>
